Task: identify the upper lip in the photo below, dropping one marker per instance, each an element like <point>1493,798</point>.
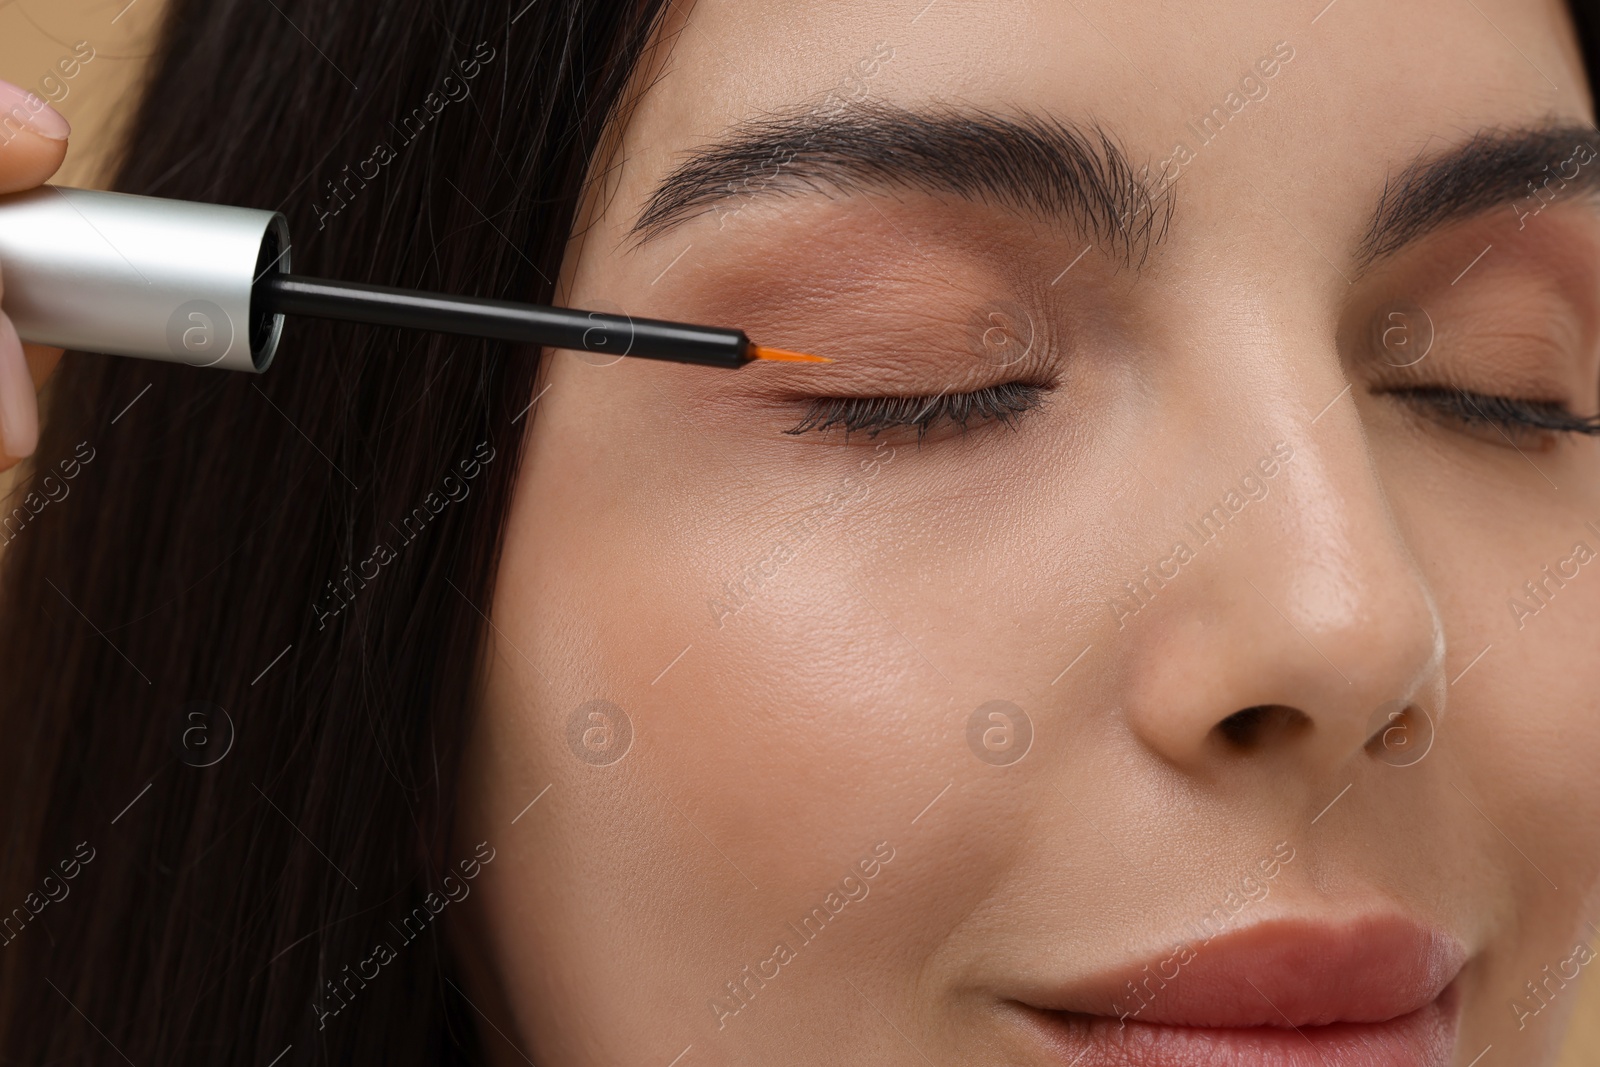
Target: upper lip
<point>1280,972</point>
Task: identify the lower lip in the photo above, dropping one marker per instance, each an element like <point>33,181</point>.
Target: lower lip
<point>1423,1038</point>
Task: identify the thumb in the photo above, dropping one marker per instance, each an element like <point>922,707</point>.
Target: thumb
<point>33,139</point>
<point>33,143</point>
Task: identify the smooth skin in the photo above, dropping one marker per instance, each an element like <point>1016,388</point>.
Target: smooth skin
<point>27,160</point>
<point>776,744</point>
<point>829,712</point>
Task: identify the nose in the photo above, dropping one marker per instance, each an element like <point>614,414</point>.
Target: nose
<point>1304,616</point>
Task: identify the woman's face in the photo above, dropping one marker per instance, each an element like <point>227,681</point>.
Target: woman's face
<point>1227,682</point>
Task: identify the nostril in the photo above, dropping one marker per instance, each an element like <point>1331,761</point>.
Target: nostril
<point>1256,726</point>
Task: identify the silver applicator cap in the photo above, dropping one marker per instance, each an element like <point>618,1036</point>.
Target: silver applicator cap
<point>140,276</point>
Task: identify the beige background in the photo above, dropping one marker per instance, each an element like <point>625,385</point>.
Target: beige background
<point>34,34</point>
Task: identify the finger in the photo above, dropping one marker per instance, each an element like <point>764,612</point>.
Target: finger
<point>33,139</point>
<point>19,404</point>
<point>41,359</point>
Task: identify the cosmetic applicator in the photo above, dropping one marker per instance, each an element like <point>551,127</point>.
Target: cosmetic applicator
<point>209,285</point>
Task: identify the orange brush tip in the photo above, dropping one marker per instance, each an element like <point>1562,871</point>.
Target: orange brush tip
<point>778,355</point>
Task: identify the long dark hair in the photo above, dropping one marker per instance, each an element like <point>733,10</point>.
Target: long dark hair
<point>223,707</point>
<point>1586,17</point>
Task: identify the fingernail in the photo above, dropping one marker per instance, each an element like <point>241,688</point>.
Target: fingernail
<point>19,404</point>
<point>22,109</point>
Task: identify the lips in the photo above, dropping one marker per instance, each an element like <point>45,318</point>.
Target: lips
<point>1374,992</point>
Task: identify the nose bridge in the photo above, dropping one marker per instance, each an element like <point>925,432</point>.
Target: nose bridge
<point>1339,570</point>
<point>1305,593</point>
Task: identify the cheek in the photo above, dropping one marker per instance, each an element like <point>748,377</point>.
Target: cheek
<point>777,640</point>
<point>1522,719</point>
<point>1542,736</point>
<point>797,658</point>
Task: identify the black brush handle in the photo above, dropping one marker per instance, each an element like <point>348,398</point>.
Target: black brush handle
<point>503,320</point>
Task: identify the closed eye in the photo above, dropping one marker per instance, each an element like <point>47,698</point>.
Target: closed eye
<point>1004,404</point>
<point>1517,418</point>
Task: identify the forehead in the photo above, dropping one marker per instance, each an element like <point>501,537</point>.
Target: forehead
<point>1368,87</point>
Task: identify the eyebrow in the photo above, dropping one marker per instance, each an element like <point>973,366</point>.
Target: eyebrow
<point>1517,169</point>
<point>1028,163</point>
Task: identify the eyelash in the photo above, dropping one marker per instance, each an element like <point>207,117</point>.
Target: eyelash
<point>1513,415</point>
<point>872,415</point>
<point>1007,401</point>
